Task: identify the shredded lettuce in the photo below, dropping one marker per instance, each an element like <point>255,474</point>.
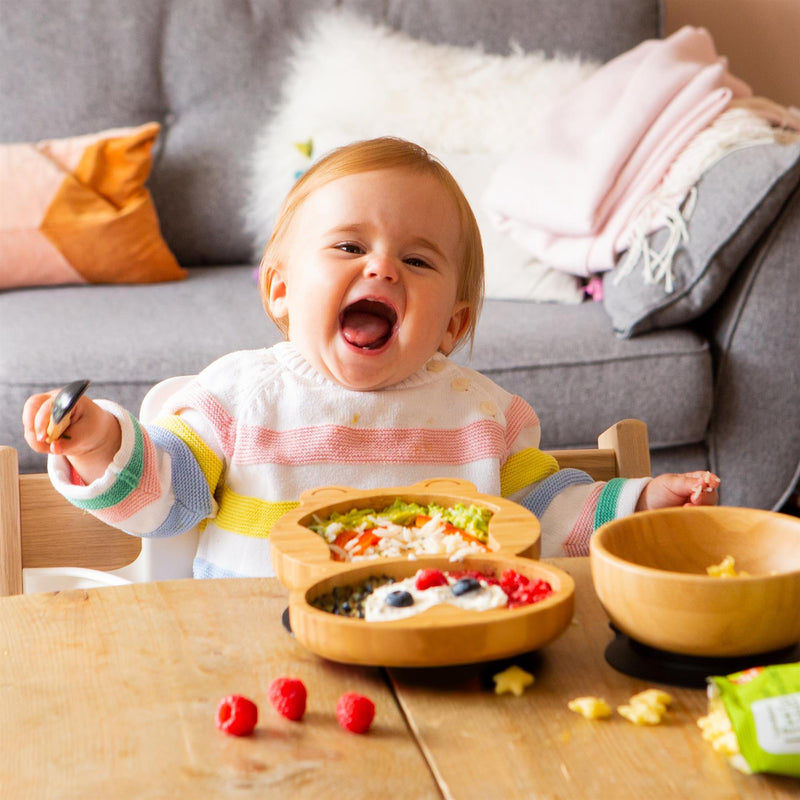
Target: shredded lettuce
<point>472,519</point>
<point>350,520</point>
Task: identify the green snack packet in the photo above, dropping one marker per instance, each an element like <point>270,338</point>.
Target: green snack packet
<point>761,731</point>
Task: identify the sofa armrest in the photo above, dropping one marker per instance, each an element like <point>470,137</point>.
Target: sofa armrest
<point>754,331</point>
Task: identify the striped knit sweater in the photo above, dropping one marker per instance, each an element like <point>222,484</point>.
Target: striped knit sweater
<point>235,448</point>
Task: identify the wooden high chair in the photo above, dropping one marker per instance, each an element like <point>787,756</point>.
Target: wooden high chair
<point>39,528</point>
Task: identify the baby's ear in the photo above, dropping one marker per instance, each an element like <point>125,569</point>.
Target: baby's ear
<point>457,327</point>
<point>275,293</point>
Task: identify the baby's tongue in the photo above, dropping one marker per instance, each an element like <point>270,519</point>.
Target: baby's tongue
<point>364,329</point>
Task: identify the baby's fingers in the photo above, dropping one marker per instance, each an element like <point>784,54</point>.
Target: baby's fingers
<point>704,492</point>
<point>35,418</point>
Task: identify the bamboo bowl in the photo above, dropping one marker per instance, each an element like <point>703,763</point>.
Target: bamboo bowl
<point>300,556</point>
<point>439,636</point>
<point>650,574</point>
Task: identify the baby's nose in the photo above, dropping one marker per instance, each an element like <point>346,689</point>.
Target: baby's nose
<point>382,267</point>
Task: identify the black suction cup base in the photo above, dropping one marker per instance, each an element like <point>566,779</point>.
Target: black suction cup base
<point>638,660</point>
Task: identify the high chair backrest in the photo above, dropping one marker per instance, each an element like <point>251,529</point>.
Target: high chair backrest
<point>39,528</point>
<point>623,451</point>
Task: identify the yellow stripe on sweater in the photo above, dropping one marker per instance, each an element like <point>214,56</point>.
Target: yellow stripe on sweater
<point>249,516</point>
<point>208,460</point>
<point>524,468</point>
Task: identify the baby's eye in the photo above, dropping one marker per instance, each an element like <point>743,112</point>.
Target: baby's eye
<point>349,247</point>
<point>414,261</point>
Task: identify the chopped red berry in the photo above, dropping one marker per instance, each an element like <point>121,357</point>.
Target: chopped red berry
<point>237,715</point>
<point>288,695</point>
<point>430,577</point>
<point>355,712</point>
<point>523,591</point>
<point>487,577</point>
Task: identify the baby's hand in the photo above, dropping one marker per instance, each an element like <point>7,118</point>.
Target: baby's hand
<point>676,489</point>
<point>90,442</point>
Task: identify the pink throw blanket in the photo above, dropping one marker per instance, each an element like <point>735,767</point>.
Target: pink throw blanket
<point>569,193</point>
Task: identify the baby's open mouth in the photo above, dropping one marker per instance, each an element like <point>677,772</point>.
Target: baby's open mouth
<point>368,324</point>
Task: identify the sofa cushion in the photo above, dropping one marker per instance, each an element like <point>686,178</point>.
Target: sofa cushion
<point>737,200</point>
<point>77,210</point>
<point>580,378</point>
<point>211,73</point>
<point>124,345</point>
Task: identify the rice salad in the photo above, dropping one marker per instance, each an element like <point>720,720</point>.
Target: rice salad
<point>406,530</point>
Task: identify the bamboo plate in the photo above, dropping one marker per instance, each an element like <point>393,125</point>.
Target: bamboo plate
<point>650,573</point>
<point>440,636</point>
<point>300,556</point>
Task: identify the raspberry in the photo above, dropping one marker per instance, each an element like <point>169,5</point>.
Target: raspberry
<point>288,695</point>
<point>430,577</point>
<point>523,591</point>
<point>477,574</point>
<point>355,712</point>
<point>237,715</point>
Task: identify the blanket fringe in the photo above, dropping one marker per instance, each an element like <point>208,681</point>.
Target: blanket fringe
<point>747,122</point>
<point>657,264</point>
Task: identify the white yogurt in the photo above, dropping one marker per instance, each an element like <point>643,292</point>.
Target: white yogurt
<point>376,609</point>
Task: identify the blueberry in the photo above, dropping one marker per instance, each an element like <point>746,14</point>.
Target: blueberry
<point>399,598</point>
<point>465,585</point>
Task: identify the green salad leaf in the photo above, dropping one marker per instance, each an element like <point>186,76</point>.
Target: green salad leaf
<point>472,519</point>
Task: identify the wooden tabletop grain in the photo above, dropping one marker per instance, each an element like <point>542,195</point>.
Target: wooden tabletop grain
<point>533,746</point>
<point>112,692</point>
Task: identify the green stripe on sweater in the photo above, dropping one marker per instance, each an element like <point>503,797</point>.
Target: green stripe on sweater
<point>607,502</point>
<point>128,479</point>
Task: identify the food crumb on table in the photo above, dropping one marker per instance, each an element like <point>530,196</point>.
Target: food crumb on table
<point>647,707</point>
<point>590,707</point>
<point>513,680</point>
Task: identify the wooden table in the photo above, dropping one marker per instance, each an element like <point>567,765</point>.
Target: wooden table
<point>112,692</point>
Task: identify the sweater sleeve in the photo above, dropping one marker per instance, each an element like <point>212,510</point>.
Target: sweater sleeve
<point>160,482</point>
<point>571,506</point>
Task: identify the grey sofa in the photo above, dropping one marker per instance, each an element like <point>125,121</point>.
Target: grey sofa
<point>719,393</point>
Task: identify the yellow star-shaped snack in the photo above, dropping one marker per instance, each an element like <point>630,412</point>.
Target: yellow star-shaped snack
<point>514,680</point>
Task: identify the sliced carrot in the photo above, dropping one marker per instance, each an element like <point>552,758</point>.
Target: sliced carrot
<point>343,537</point>
<point>366,540</point>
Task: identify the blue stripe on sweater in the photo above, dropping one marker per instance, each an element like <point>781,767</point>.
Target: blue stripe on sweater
<point>537,500</point>
<point>205,569</point>
<point>192,499</point>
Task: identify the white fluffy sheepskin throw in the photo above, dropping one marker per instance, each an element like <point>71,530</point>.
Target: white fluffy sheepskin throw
<point>350,79</point>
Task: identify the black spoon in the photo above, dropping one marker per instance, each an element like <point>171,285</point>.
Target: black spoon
<point>61,411</point>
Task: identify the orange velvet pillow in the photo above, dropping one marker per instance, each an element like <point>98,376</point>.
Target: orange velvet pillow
<point>77,211</point>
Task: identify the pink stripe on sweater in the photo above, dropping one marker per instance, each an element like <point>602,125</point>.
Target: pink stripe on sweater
<point>340,444</point>
<point>148,489</point>
<point>319,444</point>
<point>519,415</point>
<point>223,423</point>
<point>577,541</point>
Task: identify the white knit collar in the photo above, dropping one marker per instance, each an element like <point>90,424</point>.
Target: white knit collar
<point>287,354</point>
